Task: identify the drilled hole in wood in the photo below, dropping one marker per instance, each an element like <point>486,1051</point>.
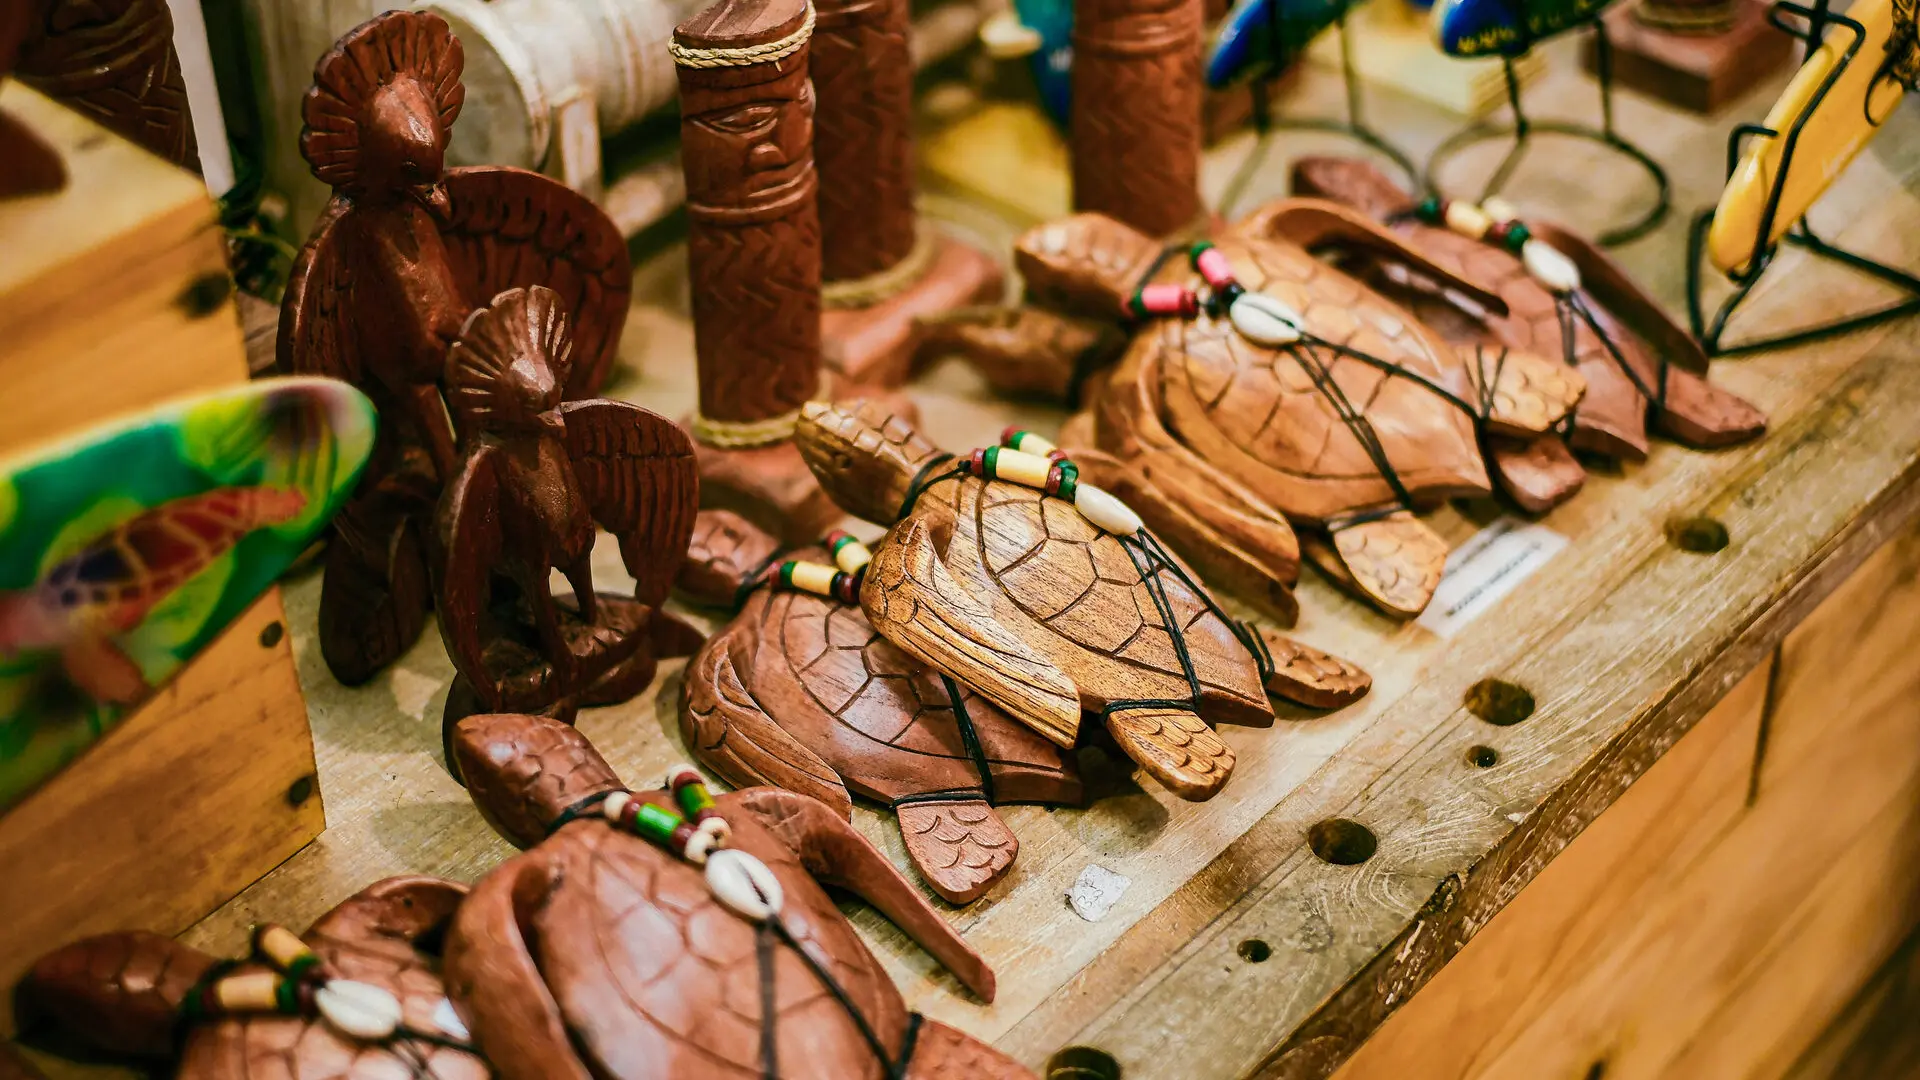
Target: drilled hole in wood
<point>271,634</point>
<point>1342,842</point>
<point>204,294</point>
<point>1597,1070</point>
<point>1700,535</point>
<point>1082,1063</point>
<point>300,791</point>
<point>1483,757</point>
<point>1254,951</point>
<point>1499,702</point>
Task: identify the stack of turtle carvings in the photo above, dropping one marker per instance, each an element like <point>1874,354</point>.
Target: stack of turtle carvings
<point>1262,389</point>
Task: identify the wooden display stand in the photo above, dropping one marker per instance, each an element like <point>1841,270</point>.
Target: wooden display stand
<point>114,295</point>
<point>1701,72</point>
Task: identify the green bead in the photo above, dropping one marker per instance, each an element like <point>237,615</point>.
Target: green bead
<point>990,462</point>
<point>656,823</point>
<point>693,799</point>
<point>1517,237</point>
<point>1198,249</point>
<point>301,965</point>
<point>286,998</point>
<point>1429,209</point>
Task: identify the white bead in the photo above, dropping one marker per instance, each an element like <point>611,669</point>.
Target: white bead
<point>447,1019</point>
<point>1550,267</point>
<point>718,827</point>
<point>699,846</point>
<point>744,884</point>
<point>1263,320</point>
<point>358,1010</point>
<point>1468,220</point>
<point>1005,37</point>
<point>1105,511</point>
<point>615,804</point>
<point>1053,240</point>
<point>1500,209</point>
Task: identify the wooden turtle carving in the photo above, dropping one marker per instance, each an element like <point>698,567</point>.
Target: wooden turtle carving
<point>1018,594</point>
<point>598,953</point>
<point>1638,365</point>
<point>405,251</point>
<point>124,994</point>
<point>1293,391</point>
<point>799,691</point>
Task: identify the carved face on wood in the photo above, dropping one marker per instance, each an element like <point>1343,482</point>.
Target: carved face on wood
<point>752,149</point>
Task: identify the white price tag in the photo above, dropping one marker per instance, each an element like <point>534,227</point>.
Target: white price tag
<point>1487,567</point>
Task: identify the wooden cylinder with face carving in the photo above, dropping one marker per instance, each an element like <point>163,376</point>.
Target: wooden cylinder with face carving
<point>753,244</point>
<point>863,78</point>
<point>1135,127</point>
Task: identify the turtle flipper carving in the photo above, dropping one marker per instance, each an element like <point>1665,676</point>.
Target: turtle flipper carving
<point>122,992</point>
<point>1023,352</point>
<point>1394,561</point>
<point>510,1008</point>
<point>961,847</point>
<point>1310,676</point>
<point>1539,475</point>
<point>913,599</point>
<point>1699,414</point>
<point>1311,223</point>
<point>1176,748</point>
<point>1517,393</point>
<point>732,734</point>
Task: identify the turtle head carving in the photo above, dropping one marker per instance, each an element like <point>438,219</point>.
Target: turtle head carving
<point>382,107</point>
<point>121,992</point>
<point>508,372</point>
<point>1352,181</point>
<point>524,772</point>
<point>864,456</point>
<point>1087,264</point>
<point>726,552</point>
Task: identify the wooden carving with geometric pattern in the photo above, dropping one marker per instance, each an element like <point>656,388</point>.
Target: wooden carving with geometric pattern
<point>537,479</point>
<point>121,994</point>
<point>114,61</point>
<point>1135,127</point>
<point>800,692</point>
<point>404,253</point>
<point>1631,348</point>
<point>598,953</point>
<point>1020,596</point>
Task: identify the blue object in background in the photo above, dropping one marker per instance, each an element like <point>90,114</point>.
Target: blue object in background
<point>1053,63</point>
<point>1495,27</point>
<point>1262,38</point>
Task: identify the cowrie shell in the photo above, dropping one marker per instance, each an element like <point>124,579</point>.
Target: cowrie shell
<point>1263,320</point>
<point>1105,511</point>
<point>358,1010</point>
<point>744,884</point>
<point>447,1019</point>
<point>1550,267</point>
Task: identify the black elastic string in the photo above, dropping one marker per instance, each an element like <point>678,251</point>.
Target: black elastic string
<point>772,927</point>
<point>970,738</point>
<point>769,1040</point>
<point>923,479</point>
<point>1356,422</point>
<point>751,580</point>
<point>1578,303</point>
<point>584,808</point>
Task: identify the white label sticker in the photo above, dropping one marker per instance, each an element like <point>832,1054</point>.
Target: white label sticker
<point>1096,891</point>
<point>1487,567</point>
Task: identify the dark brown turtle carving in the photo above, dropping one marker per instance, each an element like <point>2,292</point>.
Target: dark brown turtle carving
<point>404,252</point>
<point>123,994</point>
<point>1637,363</point>
<point>597,953</point>
<point>799,691</point>
<point>1360,417</point>
<point>1020,595</point>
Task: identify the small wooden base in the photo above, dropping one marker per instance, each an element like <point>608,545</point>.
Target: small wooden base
<point>769,486</point>
<point>1699,72</point>
<point>875,345</point>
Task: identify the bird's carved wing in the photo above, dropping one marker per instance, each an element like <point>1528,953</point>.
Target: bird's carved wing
<point>509,228</point>
<point>316,334</point>
<point>911,597</point>
<point>470,548</point>
<point>637,472</point>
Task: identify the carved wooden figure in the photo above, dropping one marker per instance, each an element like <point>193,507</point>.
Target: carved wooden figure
<point>113,60</point>
<point>358,997</point>
<point>405,251</point>
<point>1262,386</point>
<point>882,267</point>
<point>1135,127</point>
<point>800,692</point>
<point>1052,601</point>
<point>607,954</point>
<point>28,166</point>
<point>1639,366</point>
<point>753,254</point>
<point>537,478</point>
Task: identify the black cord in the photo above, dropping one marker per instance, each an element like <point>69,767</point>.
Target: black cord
<point>923,479</point>
<point>584,808</point>
<point>771,928</point>
<point>970,738</point>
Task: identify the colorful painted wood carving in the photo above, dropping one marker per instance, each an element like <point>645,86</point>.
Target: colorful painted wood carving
<point>404,253</point>
<point>1506,27</point>
<point>1565,297</point>
<point>1862,95</point>
<point>1262,386</point>
<point>536,478</point>
<point>126,549</point>
<point>800,692</point>
<point>358,997</point>
<point>1262,38</point>
<point>1049,598</point>
<point>704,944</point>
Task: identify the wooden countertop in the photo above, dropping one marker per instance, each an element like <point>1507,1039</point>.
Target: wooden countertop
<point>1623,640</point>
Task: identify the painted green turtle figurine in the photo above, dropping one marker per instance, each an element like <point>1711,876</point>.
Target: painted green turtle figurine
<point>799,691</point>
<point>1052,601</point>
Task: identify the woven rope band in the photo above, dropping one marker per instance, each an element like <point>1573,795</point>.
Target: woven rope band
<point>764,53</point>
<point>867,291</point>
<point>739,434</point>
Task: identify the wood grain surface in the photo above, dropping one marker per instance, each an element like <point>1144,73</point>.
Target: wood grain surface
<point>1623,640</point>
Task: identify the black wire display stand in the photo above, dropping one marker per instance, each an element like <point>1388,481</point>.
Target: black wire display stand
<point>1818,21</point>
<point>1354,126</point>
<point>1523,129</point>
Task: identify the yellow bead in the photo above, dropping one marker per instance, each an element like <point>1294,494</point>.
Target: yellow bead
<point>813,577</point>
<point>1468,220</point>
<point>1027,470</point>
<point>252,992</point>
<point>852,556</point>
<point>280,946</point>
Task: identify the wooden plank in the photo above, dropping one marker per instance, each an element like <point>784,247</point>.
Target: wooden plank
<point>114,291</point>
<point>1875,1037</point>
<point>1689,932</point>
<point>121,839</point>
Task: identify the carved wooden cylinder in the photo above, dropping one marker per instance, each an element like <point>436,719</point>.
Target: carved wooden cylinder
<point>1688,16</point>
<point>753,243</point>
<point>1135,128</point>
<point>529,59</point>
<point>863,79</point>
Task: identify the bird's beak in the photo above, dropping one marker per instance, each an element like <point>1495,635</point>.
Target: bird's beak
<point>554,423</point>
<point>434,198</point>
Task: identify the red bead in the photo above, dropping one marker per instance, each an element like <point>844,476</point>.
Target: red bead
<point>977,461</point>
<point>682,836</point>
<point>1214,267</point>
<point>1165,299</point>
